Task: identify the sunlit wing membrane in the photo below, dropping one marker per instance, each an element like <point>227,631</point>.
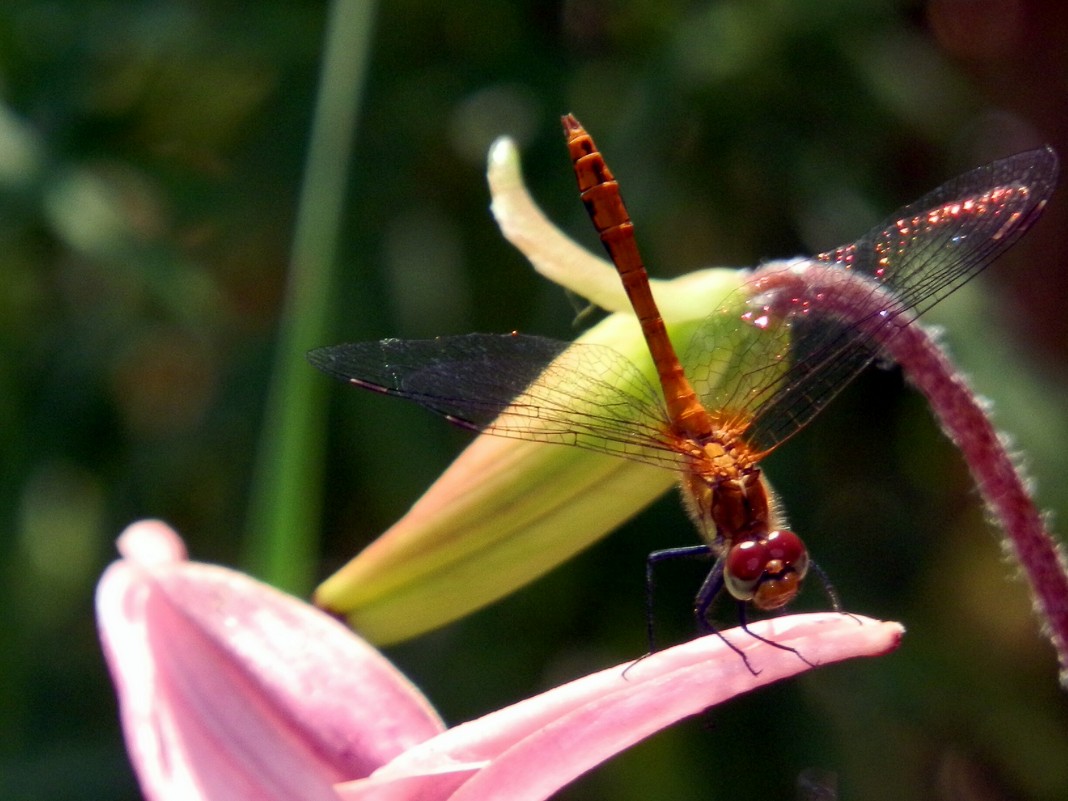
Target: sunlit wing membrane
<point>736,359</point>
<point>518,386</point>
<point>837,356</point>
<point>930,247</point>
<point>920,254</point>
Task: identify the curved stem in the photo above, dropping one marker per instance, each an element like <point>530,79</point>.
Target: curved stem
<point>856,299</point>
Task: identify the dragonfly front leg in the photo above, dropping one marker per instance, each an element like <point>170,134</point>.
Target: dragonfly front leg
<point>651,561</point>
<point>710,588</point>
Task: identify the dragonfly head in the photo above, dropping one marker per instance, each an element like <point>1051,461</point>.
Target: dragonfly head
<point>767,571</point>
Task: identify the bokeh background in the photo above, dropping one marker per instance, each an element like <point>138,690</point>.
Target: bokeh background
<point>151,159</point>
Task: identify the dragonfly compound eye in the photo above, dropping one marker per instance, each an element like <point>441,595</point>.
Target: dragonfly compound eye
<point>744,568</point>
<point>786,566</point>
<point>767,571</point>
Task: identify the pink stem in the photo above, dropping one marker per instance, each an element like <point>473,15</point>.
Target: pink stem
<point>857,299</point>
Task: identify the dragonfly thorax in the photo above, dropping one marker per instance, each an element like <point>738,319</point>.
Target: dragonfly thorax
<point>728,506</point>
<point>725,493</point>
<point>735,511</point>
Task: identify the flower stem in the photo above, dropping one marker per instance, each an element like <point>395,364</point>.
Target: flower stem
<point>856,299</point>
<point>285,494</point>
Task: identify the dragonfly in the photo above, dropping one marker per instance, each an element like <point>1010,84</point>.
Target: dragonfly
<point>757,375</point>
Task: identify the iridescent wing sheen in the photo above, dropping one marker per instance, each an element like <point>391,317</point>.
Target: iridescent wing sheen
<point>771,374</point>
<point>524,387</point>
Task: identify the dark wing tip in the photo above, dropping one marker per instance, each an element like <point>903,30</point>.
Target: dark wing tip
<point>349,362</point>
<point>323,359</point>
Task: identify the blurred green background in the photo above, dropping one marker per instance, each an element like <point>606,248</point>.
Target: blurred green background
<point>151,162</point>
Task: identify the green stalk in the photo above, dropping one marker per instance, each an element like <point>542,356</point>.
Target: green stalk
<point>286,497</point>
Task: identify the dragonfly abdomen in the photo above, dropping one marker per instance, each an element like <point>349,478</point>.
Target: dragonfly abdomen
<point>604,203</point>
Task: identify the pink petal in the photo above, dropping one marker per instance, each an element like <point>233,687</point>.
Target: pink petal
<point>530,750</point>
<point>230,689</point>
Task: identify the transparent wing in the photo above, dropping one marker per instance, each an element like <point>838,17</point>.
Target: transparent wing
<point>525,387</point>
<point>772,374</point>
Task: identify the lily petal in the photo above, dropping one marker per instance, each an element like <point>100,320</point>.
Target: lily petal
<point>231,689</point>
<point>530,750</point>
<point>552,252</point>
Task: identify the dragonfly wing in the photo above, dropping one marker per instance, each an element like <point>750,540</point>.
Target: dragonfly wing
<point>825,356</point>
<point>738,358</point>
<point>929,248</point>
<point>511,385</point>
<point>799,360</point>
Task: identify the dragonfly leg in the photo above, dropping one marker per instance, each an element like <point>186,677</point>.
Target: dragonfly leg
<point>651,561</point>
<point>828,588</point>
<point>712,586</point>
<point>830,591</point>
<point>744,625</point>
<point>710,589</point>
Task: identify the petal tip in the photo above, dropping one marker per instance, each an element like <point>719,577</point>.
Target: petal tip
<point>151,543</point>
<point>502,152</point>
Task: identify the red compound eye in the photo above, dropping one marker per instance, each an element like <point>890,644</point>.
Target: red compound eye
<point>767,571</point>
<point>744,568</point>
<point>785,546</point>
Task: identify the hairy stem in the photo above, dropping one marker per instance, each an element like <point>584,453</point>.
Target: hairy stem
<point>857,299</point>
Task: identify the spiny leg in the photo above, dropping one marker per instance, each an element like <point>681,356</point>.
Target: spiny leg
<point>830,591</point>
<point>711,588</point>
<point>651,561</point>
